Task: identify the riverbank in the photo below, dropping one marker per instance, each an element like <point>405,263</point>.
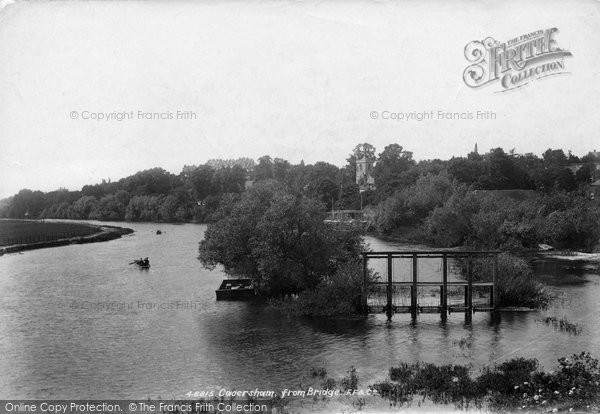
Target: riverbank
<point>516,384</point>
<point>571,255</point>
<point>31,234</point>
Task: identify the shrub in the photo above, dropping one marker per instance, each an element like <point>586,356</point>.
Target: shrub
<point>514,384</point>
<point>515,282</point>
<point>338,295</point>
<point>517,285</point>
<point>391,213</point>
<point>575,385</point>
<point>350,382</point>
<point>441,384</point>
<point>278,239</point>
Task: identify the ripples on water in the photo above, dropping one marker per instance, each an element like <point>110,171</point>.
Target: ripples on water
<point>51,347</point>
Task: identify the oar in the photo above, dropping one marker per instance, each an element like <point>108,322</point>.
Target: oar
<point>135,261</point>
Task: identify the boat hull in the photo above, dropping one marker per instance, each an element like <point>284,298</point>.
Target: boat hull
<point>236,289</point>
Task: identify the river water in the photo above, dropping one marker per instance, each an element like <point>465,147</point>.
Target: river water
<point>79,322</point>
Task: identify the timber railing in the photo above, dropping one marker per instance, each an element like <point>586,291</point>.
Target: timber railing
<point>470,272</point>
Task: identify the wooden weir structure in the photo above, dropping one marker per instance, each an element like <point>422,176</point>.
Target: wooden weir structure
<point>449,261</point>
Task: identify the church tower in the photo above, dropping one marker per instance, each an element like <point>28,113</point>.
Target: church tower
<point>364,179</point>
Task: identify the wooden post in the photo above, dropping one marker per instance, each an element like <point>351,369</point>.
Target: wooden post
<point>494,293</point>
<point>415,280</point>
<point>365,290</point>
<point>444,284</point>
<point>469,295</point>
<point>390,304</point>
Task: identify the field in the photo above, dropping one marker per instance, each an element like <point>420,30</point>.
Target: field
<point>31,231</point>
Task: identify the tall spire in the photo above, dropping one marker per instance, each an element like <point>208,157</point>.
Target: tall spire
<point>475,150</point>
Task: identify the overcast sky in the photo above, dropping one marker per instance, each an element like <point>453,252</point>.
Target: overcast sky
<point>293,79</point>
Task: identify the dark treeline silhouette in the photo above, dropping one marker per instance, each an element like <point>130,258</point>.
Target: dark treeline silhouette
<point>426,194</point>
<point>192,195</point>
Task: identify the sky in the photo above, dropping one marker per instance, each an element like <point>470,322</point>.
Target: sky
<point>299,80</point>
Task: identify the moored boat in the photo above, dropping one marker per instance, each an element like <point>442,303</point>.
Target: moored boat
<point>236,289</point>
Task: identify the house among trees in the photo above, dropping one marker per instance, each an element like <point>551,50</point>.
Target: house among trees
<point>591,160</point>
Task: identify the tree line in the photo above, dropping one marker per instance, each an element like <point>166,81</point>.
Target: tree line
<point>194,194</point>
<point>275,232</point>
<point>428,194</point>
<point>498,200</point>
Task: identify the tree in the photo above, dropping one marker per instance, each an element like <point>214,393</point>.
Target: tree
<point>201,181</point>
<point>364,150</point>
<point>95,190</point>
<point>229,180</point>
<point>108,208</point>
<point>173,208</point>
<point>430,191</point>
<point>502,173</point>
<point>554,178</point>
<point>152,181</point>
<point>143,208</point>
<point>28,204</point>
<point>326,191</point>
<point>278,239</point>
<point>586,173</point>
<point>591,157</point>
<point>82,208</point>
<point>554,157</point>
<point>388,172</point>
<point>322,183</point>
<point>264,169</point>
<point>467,170</point>
<point>281,168</point>
<point>244,162</point>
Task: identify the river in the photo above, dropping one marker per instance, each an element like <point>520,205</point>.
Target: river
<point>79,322</point>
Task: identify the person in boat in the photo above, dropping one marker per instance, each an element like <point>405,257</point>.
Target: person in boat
<point>146,262</point>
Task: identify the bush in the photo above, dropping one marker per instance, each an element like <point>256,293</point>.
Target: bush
<point>391,214</point>
<point>441,384</point>
<point>280,240</point>
<point>515,282</point>
<point>338,295</point>
<point>517,285</point>
<point>574,386</point>
<point>450,225</point>
<point>412,205</point>
<point>515,384</point>
<point>505,377</point>
<point>493,220</point>
<point>350,382</point>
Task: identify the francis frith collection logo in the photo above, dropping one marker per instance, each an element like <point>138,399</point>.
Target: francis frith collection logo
<point>516,62</point>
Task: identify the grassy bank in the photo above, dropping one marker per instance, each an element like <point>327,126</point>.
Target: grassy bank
<point>32,231</point>
<point>18,235</point>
